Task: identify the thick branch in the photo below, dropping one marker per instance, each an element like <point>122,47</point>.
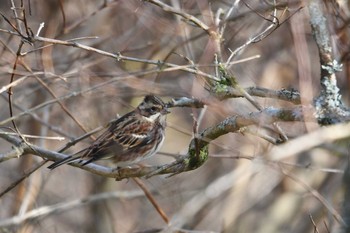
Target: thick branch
<point>329,108</point>
<point>225,92</point>
<point>197,153</point>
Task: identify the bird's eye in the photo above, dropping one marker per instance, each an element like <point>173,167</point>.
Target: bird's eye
<point>153,109</point>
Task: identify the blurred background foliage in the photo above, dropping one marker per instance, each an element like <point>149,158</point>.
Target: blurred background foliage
<point>232,191</point>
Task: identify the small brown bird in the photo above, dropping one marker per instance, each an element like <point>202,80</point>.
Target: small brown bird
<point>135,136</point>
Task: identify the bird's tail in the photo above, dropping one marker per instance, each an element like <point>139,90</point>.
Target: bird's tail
<point>63,161</point>
<point>68,159</point>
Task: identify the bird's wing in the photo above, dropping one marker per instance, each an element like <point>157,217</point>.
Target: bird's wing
<point>134,134</point>
<point>120,137</point>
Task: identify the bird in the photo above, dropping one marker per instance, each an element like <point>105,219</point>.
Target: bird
<point>129,139</point>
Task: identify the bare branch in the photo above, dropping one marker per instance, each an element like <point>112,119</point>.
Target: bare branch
<point>45,211</point>
<point>329,106</point>
<point>186,16</point>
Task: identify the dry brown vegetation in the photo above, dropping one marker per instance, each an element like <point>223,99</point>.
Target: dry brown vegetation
<point>251,79</point>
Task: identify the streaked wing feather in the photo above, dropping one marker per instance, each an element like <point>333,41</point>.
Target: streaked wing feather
<point>121,135</point>
<point>133,135</point>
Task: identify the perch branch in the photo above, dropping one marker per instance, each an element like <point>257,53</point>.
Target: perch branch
<point>195,156</point>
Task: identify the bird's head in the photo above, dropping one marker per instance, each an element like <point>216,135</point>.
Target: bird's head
<point>153,108</point>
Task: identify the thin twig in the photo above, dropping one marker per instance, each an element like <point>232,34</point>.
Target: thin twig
<point>317,195</point>
<point>313,224</point>
<point>120,57</point>
<point>186,16</point>
<point>22,178</point>
<point>152,200</point>
<point>267,31</point>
